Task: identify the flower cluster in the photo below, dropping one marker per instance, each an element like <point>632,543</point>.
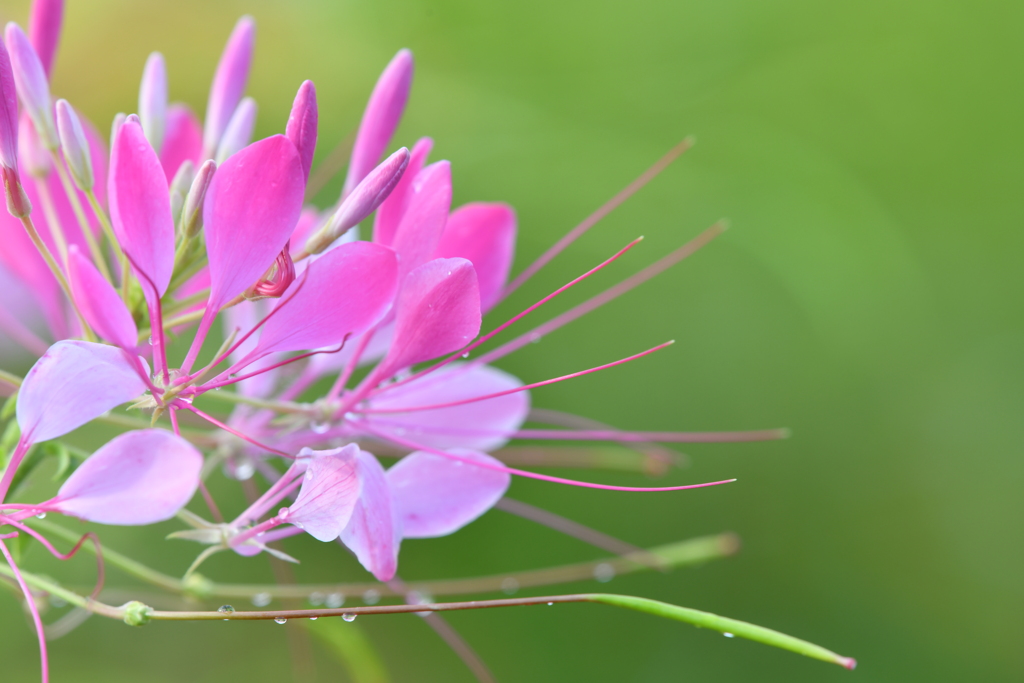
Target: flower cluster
<point>189,227</point>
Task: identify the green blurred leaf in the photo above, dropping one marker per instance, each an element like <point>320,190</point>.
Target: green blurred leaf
<point>9,406</point>
<point>349,643</point>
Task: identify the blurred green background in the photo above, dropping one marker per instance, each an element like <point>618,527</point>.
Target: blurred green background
<point>867,296</point>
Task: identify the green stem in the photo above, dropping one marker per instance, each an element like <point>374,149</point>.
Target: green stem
<point>278,406</point>
<point>108,230</point>
<point>13,380</point>
<point>83,222</point>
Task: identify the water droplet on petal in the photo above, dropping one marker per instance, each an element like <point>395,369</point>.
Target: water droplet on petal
<point>150,340</point>
<point>280,620</point>
<point>604,572</point>
<point>728,635</point>
<point>261,599</point>
<point>41,515</point>
<point>335,600</point>
<point>349,617</point>
<point>371,597</point>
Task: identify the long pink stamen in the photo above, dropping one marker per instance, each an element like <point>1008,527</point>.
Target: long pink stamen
<point>531,475</point>
<point>591,220</point>
<point>88,536</point>
<point>271,497</point>
<point>232,380</point>
<point>514,319</point>
<point>207,496</point>
<point>604,297</point>
<point>350,366</point>
<point>525,387</point>
<point>24,444</point>
<point>30,601</point>
<point>260,528</point>
<point>156,325</point>
<point>214,421</point>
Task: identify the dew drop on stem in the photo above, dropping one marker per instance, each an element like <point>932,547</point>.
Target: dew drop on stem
<point>348,616</point>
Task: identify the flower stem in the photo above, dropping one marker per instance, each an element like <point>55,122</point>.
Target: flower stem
<point>83,222</point>
<point>11,379</point>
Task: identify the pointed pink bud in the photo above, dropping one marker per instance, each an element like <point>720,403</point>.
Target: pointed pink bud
<point>31,83</point>
<point>383,112</point>
<point>342,294</point>
<point>251,207</point>
<point>302,124</point>
<point>390,213</point>
<point>362,201</point>
<point>192,213</point>
<point>229,82</point>
<point>75,146</point>
<point>328,495</point>
<point>99,302</point>
<point>140,477</point>
<point>140,208</point>
<point>183,139</point>
<point>44,23</point>
<point>486,235</point>
<point>239,131</point>
<point>429,201</point>
<point>372,532</point>
<point>436,496</point>
<point>437,312</point>
<point>153,100</point>
<point>8,114</point>
<point>73,383</point>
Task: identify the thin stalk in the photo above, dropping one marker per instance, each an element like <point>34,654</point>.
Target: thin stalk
<point>11,379</point>
<point>277,406</point>
<point>108,230</point>
<point>50,211</point>
<point>83,221</point>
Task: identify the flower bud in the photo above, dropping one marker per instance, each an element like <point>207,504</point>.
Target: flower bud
<point>8,114</point>
<point>362,201</point>
<point>192,214</point>
<point>153,100</point>
<point>75,146</point>
<point>32,86</point>
<point>179,188</point>
<point>119,119</point>
<point>238,134</point>
<point>44,24</point>
<point>302,124</point>
<point>228,83</point>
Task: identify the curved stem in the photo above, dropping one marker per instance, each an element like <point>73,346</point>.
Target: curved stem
<point>83,221</point>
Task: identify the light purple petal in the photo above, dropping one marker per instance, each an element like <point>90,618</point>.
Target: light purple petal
<point>153,100</point>
<point>383,112</point>
<point>8,113</point>
<point>419,232</point>
<point>438,311</point>
<point>435,496</point>
<point>75,382</point>
<point>99,302</point>
<point>140,477</point>
<point>140,208</point>
<point>302,124</point>
<point>251,207</point>
<point>44,23</point>
<point>32,85</point>
<point>328,495</point>
<point>75,146</point>
<point>239,131</point>
<point>229,82</point>
<point>372,532</point>
<point>483,425</point>
<point>486,235</point>
<point>183,140</point>
<point>390,213</point>
<point>343,293</point>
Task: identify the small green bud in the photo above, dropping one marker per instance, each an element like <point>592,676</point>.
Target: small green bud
<point>198,586</point>
<point>136,613</point>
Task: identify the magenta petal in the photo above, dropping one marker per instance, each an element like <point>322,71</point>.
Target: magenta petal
<point>183,140</point>
<point>344,293</point>
<point>73,383</point>
<point>436,496</point>
<point>140,208</point>
<point>372,532</point>
<point>438,311</point>
<point>99,302</point>
<point>390,213</point>
<point>419,232</point>
<point>8,113</point>
<point>137,478</point>
<point>153,100</point>
<point>251,207</point>
<point>44,23</point>
<point>229,82</point>
<point>486,235</point>
<point>383,112</point>
<point>302,124</point>
<point>328,495</point>
<point>482,425</point>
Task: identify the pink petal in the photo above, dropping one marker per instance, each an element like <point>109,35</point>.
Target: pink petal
<point>372,532</point>
<point>99,302</point>
<point>438,311</point>
<point>140,208</point>
<point>328,494</point>
<point>153,100</point>
<point>22,259</point>
<point>343,293</point>
<point>390,213</point>
<point>140,477</point>
<point>491,423</point>
<point>44,23</point>
<point>419,232</point>
<point>183,140</point>
<point>75,145</point>
<point>238,134</point>
<point>486,235</point>
<point>32,84</point>
<point>75,382</point>
<point>383,112</point>
<point>251,207</point>
<point>302,124</point>
<point>435,496</point>
<point>229,82</point>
